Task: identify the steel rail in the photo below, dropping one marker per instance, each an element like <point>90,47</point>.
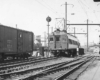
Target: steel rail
<point>15,67</point>
<point>71,71</point>
<point>51,70</point>
<point>32,69</point>
<point>22,61</point>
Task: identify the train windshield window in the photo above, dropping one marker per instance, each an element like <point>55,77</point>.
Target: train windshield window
<point>51,39</point>
<point>57,38</point>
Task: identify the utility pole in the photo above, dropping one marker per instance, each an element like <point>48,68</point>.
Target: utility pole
<point>99,44</point>
<point>66,21</point>
<point>87,35</point>
<point>65,16</point>
<point>45,39</point>
<point>74,31</point>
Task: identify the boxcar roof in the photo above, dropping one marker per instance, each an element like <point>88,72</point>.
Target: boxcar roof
<point>14,28</point>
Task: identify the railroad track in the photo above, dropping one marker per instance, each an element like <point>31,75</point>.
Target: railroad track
<point>74,72</point>
<point>61,72</point>
<point>7,69</point>
<point>29,70</point>
<point>23,61</point>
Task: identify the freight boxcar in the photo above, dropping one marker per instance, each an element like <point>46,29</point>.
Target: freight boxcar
<point>15,42</point>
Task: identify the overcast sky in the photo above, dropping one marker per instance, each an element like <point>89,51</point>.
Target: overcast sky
<point>31,15</point>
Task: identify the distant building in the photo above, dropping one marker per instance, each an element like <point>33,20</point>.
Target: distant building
<point>94,48</point>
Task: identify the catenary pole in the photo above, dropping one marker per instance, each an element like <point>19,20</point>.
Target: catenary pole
<point>65,16</point>
<point>87,35</point>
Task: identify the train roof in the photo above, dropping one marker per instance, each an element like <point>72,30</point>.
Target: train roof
<point>63,32</point>
<point>59,32</point>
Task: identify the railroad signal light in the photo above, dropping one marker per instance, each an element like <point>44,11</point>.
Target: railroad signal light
<point>48,19</point>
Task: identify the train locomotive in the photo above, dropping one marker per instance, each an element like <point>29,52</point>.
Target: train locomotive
<point>64,44</point>
<point>15,43</point>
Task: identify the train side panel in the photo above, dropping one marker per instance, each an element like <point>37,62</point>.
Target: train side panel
<point>15,42</point>
<point>27,41</point>
<point>64,42</point>
<point>8,40</point>
<point>2,48</point>
<point>71,46</point>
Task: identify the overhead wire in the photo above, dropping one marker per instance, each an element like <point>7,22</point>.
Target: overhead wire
<point>48,7</point>
<point>85,5</point>
<point>89,7</point>
<point>83,9</point>
<point>96,16</point>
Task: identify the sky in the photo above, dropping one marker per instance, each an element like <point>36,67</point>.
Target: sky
<point>31,15</point>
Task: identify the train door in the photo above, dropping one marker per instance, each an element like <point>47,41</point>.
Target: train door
<point>51,42</point>
<point>27,42</point>
<point>20,41</point>
<point>57,42</point>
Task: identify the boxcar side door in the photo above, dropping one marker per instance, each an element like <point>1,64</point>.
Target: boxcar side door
<point>20,41</point>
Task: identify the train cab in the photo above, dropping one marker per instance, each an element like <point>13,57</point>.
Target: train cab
<point>62,43</point>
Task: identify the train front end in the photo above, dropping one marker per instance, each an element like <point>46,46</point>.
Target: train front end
<point>57,43</point>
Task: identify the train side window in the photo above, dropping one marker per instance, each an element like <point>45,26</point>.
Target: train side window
<point>73,42</point>
<point>70,41</point>
<point>51,39</point>
<point>76,42</point>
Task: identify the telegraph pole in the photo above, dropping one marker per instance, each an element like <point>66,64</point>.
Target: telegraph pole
<point>66,21</point>
<point>65,16</point>
<point>87,35</point>
<point>65,26</point>
<point>99,44</point>
<point>74,31</point>
<point>45,39</point>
